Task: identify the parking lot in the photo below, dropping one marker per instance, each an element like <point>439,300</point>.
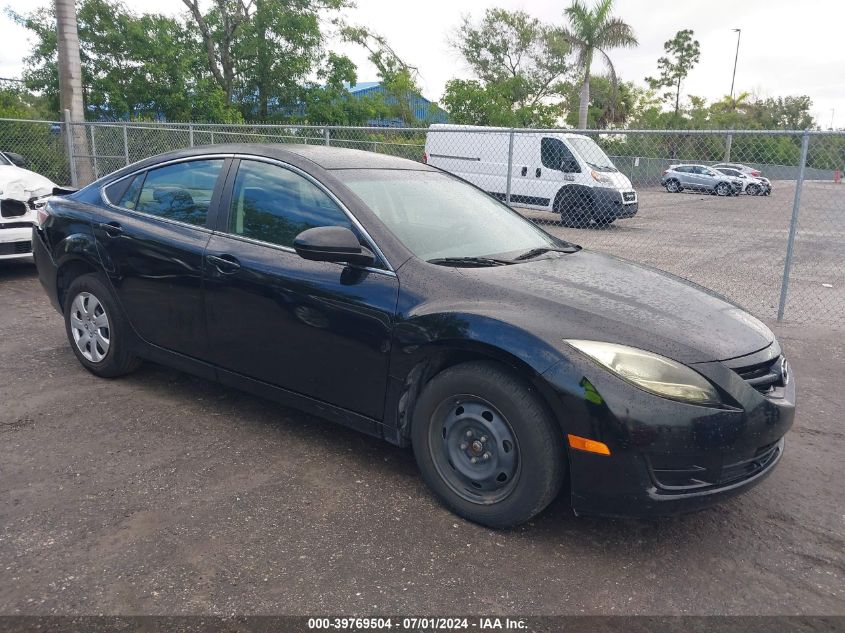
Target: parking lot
<point>737,245</point>
<point>161,493</point>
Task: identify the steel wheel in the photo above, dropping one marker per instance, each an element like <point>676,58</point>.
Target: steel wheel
<point>474,449</point>
<point>89,325</point>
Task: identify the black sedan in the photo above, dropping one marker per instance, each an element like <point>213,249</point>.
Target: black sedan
<point>394,298</point>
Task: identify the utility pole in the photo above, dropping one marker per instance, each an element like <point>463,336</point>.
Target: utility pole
<point>70,88</point>
<point>736,57</point>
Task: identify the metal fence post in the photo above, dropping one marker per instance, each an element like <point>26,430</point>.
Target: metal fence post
<point>125,144</point>
<point>510,167</point>
<point>793,224</point>
<point>327,135</point>
<point>191,135</point>
<point>74,179</point>
<point>94,153</point>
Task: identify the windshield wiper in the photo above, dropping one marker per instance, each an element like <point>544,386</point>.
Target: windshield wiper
<point>469,261</point>
<point>536,252</point>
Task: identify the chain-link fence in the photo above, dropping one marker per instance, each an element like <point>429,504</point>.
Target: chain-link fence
<point>758,216</point>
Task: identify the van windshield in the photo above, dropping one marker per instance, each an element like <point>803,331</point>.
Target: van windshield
<point>592,154</point>
<point>437,216</point>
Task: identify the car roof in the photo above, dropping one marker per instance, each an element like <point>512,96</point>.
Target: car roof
<point>328,158</point>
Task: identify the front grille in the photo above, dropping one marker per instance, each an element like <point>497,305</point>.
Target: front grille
<point>15,225</point>
<point>764,377</point>
<point>15,248</point>
<point>751,466</point>
<point>629,196</point>
<point>678,474</point>
<point>13,212</point>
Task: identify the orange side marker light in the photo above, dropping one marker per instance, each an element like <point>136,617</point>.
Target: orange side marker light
<point>590,446</point>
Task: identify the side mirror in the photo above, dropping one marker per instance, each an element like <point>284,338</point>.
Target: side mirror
<point>16,159</point>
<point>332,244</point>
<point>13,208</point>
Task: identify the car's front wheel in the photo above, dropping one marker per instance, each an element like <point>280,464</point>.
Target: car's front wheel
<point>97,329</point>
<point>486,445</point>
<point>723,189</point>
<point>752,190</point>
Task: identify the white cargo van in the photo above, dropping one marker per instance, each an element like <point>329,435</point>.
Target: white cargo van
<point>567,174</point>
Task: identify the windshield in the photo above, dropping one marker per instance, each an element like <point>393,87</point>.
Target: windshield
<point>591,153</point>
<point>437,216</point>
<point>4,160</point>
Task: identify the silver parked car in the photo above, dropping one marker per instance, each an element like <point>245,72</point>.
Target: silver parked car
<point>700,178</point>
<point>752,186</point>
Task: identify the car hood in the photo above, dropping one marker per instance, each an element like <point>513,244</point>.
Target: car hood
<point>21,184</point>
<point>588,295</point>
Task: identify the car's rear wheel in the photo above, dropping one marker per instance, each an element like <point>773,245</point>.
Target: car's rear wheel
<point>486,445</point>
<point>723,189</point>
<point>97,329</point>
<point>673,186</point>
<point>752,190</point>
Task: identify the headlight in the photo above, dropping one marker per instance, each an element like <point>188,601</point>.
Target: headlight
<point>652,372</point>
<point>598,177</point>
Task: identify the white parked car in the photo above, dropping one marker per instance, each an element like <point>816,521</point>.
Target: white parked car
<point>751,174</point>
<point>567,174</point>
<point>753,186</point>
<point>21,193</point>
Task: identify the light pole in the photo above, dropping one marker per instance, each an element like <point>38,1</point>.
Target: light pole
<point>733,78</point>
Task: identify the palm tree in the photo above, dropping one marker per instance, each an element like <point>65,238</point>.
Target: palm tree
<point>70,87</point>
<point>594,31</point>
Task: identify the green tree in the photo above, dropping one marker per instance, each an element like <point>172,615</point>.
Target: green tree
<point>609,107</point>
<point>521,65</point>
<point>132,66</point>
<point>261,51</point>
<point>593,32</point>
<point>399,79</point>
<point>682,54</point>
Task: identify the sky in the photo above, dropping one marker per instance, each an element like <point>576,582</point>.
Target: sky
<point>786,48</point>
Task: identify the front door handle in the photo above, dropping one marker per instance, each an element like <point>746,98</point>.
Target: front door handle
<point>112,229</point>
<point>537,173</point>
<point>524,171</point>
<point>226,264</point>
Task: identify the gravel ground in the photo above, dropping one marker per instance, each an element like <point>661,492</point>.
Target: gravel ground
<point>161,493</point>
<point>737,245</point>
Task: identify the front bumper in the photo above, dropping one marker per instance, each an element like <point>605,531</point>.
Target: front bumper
<point>667,457</point>
<point>613,204</point>
<point>15,240</point>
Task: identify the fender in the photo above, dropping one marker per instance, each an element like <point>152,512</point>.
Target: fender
<point>427,342</point>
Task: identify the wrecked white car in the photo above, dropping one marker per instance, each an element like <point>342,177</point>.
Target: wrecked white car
<point>21,193</point>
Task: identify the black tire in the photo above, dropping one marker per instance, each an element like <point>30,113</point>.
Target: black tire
<point>113,360</point>
<point>752,190</point>
<point>574,209</point>
<point>723,189</point>
<point>673,186</point>
<point>458,400</point>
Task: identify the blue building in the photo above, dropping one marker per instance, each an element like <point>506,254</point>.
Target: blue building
<point>424,110</point>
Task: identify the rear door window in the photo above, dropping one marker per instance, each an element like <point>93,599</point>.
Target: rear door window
<point>181,191</point>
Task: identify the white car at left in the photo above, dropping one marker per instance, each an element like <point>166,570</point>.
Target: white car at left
<point>22,192</point>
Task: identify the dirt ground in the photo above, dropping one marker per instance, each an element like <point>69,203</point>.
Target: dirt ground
<point>161,493</point>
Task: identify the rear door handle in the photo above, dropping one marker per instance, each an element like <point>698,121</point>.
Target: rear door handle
<point>537,173</point>
<point>112,229</point>
<point>226,264</point>
<point>524,171</point>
